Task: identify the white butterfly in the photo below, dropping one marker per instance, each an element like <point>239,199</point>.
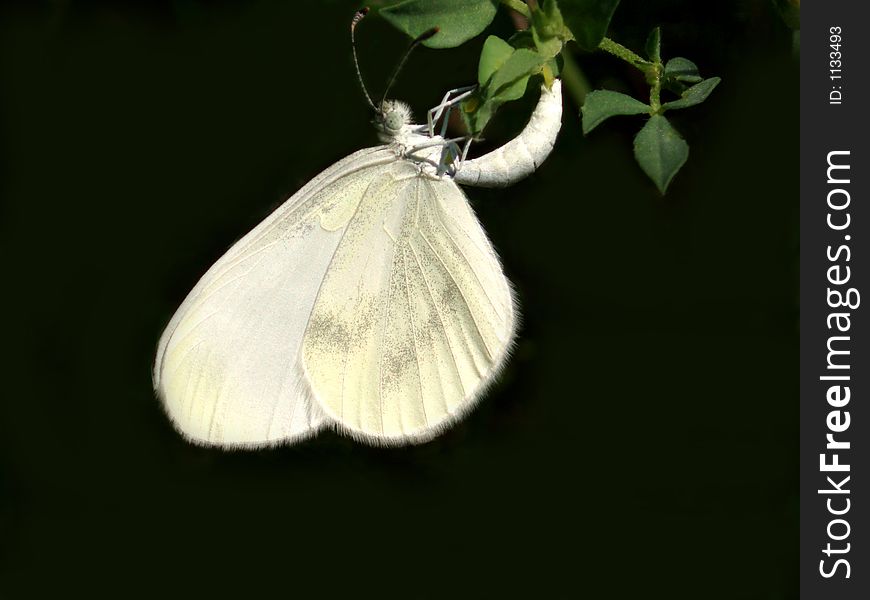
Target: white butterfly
<point>370,302</point>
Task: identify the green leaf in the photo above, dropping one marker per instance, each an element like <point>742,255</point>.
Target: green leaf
<point>660,151</point>
<point>507,83</point>
<point>694,95</point>
<point>548,29</point>
<point>654,45</point>
<point>518,67</point>
<point>555,67</point>
<point>522,39</point>
<point>588,20</point>
<point>679,74</point>
<point>458,20</point>
<point>682,69</point>
<point>603,104</point>
<point>495,53</point>
<point>476,113</point>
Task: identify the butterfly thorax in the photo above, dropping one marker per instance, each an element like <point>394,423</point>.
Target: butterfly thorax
<point>410,141</point>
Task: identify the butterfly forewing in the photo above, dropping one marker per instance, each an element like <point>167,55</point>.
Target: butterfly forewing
<point>227,367</point>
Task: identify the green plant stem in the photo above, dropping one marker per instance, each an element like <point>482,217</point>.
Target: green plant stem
<point>655,90</point>
<point>653,71</point>
<point>625,54</point>
<point>518,6</point>
<point>575,80</point>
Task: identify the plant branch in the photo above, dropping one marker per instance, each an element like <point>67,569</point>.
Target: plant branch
<point>575,80</point>
<point>625,54</point>
<point>654,76</point>
<point>653,71</point>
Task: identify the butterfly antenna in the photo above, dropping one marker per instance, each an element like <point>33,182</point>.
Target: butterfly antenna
<point>417,41</point>
<point>356,19</point>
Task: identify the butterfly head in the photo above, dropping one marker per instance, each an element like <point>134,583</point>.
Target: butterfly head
<point>393,121</point>
<point>392,118</point>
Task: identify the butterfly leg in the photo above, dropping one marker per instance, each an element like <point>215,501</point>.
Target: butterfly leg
<point>452,157</point>
<point>463,156</point>
<point>450,151</point>
<point>451,98</point>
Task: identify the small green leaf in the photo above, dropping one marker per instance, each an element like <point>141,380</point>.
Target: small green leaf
<point>548,29</point>
<point>680,73</point>
<point>513,90</point>
<point>515,70</point>
<point>694,95</point>
<point>507,83</point>
<point>588,20</point>
<point>509,80</point>
<point>654,45</point>
<point>494,54</point>
<point>555,67</point>
<point>476,113</point>
<point>603,104</point>
<point>660,151</point>
<point>522,39</point>
<point>682,69</point>
<point>458,20</point>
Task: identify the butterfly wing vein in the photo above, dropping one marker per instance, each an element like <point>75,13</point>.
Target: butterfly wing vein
<point>371,300</point>
<point>414,315</point>
<point>227,366</point>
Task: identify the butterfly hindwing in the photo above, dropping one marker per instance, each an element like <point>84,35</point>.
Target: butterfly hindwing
<point>414,316</point>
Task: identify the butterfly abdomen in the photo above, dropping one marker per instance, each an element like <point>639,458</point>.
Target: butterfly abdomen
<point>522,155</point>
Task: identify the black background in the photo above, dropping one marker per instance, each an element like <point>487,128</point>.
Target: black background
<point>642,442</point>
